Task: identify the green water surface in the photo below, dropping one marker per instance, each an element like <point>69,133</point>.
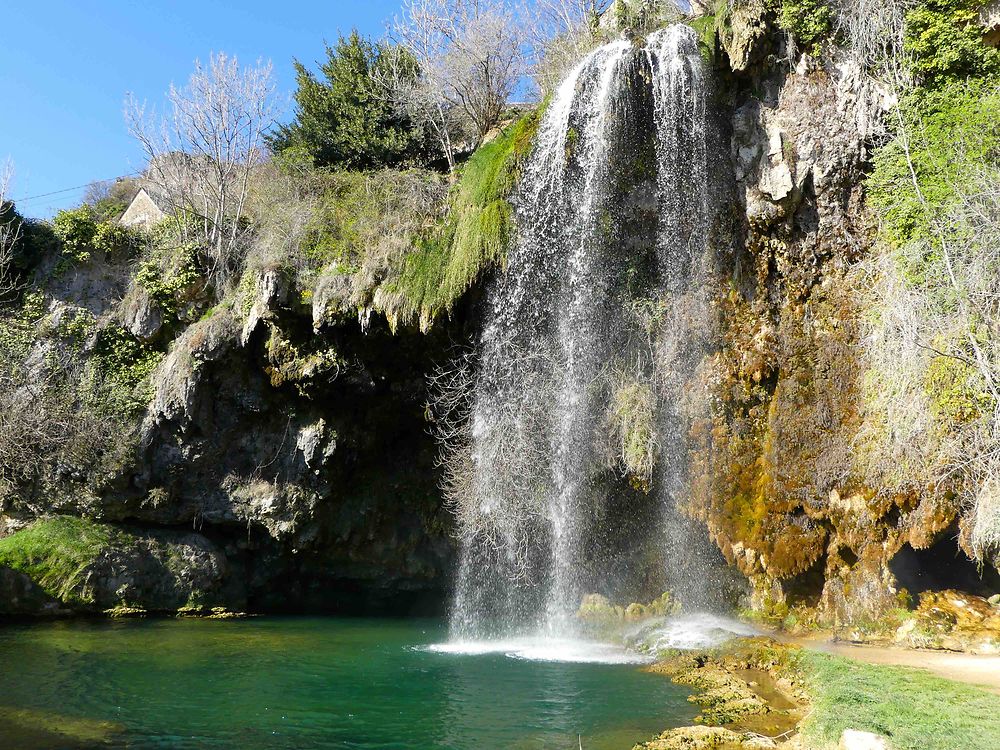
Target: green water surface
<point>309,683</point>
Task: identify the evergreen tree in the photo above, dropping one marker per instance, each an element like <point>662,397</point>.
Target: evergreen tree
<point>346,119</point>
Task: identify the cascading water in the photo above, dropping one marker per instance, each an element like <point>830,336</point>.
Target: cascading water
<point>611,208</point>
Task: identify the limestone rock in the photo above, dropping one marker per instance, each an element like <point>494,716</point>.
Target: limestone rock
<point>142,317</point>
<point>19,595</point>
<point>271,290</point>
<point>317,444</point>
<point>744,38</point>
<point>954,621</point>
<point>693,738</point>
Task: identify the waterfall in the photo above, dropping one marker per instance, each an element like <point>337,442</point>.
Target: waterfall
<point>611,206</point>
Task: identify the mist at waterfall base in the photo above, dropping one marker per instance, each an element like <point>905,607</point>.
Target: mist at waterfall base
<point>603,294</point>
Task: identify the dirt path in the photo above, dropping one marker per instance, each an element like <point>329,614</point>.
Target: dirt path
<point>982,671</point>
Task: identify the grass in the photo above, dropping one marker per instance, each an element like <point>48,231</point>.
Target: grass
<point>478,229</point>
<point>55,553</point>
<point>913,709</point>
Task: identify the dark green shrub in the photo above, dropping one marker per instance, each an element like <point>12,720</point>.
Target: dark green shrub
<point>810,22</point>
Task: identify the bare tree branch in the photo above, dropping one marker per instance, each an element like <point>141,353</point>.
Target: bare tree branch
<point>202,154</point>
<point>10,233</point>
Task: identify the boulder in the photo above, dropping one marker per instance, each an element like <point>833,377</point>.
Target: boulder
<point>853,739</point>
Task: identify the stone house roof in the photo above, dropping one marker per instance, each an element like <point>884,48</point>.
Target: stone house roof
<point>145,210</point>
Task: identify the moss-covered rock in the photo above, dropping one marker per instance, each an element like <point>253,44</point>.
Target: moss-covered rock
<point>87,566</point>
<point>953,621</point>
<point>749,691</point>
<point>598,614</point>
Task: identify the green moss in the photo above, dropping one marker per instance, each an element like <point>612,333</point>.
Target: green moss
<point>707,28</point>
<point>914,709</point>
<point>56,553</point>
<point>477,231</point>
<point>298,363</point>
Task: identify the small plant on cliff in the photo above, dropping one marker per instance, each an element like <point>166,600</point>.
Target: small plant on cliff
<point>124,365</point>
<point>633,427</point>
<point>171,279</point>
<point>810,22</point>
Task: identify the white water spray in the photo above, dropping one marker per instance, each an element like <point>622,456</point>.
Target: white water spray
<point>621,145</point>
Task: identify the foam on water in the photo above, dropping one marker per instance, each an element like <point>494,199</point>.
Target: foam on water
<point>542,648</point>
<point>697,630</point>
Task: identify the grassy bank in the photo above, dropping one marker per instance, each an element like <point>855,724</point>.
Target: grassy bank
<point>751,688</point>
<point>913,709</point>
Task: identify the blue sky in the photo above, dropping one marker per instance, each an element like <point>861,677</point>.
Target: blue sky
<point>65,68</point>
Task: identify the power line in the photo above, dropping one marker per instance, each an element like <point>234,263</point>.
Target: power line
<point>70,189</point>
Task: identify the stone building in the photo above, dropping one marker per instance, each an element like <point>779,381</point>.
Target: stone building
<point>144,211</point>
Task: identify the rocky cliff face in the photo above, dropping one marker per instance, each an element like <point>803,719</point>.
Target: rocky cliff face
<point>777,473</point>
<point>276,467</point>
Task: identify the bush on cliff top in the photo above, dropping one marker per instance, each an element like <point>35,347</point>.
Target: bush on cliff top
<point>944,42</point>
<point>56,553</point>
<point>810,22</point>
<point>343,118</point>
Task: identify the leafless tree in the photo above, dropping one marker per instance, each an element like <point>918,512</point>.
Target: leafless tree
<point>555,17</point>
<point>470,55</point>
<point>34,424</point>
<point>416,81</point>
<point>560,33</point>
<point>121,189</point>
<point>202,153</point>
<point>10,233</point>
<point>873,30</point>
